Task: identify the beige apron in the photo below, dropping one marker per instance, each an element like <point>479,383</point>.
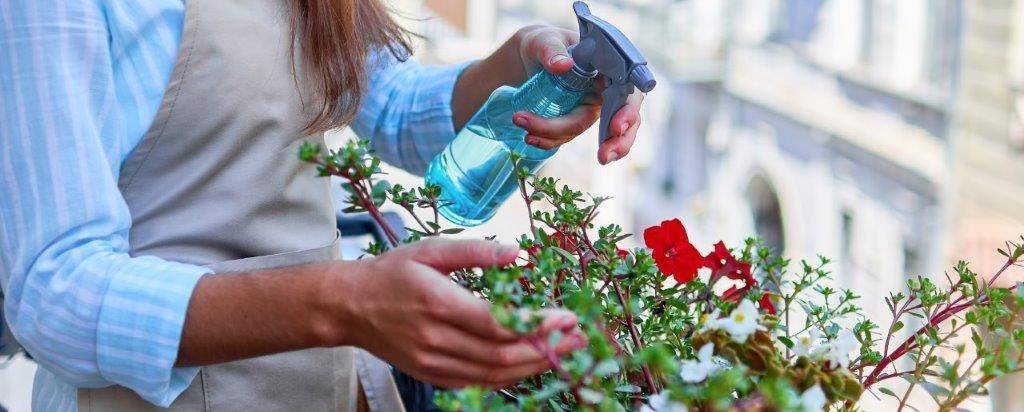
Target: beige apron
<point>216,182</point>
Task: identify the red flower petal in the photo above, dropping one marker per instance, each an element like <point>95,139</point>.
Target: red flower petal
<point>564,242</point>
<point>766,303</point>
<point>734,294</point>
<point>723,263</point>
<point>672,250</point>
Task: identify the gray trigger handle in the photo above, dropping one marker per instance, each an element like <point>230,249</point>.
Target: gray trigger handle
<point>612,99</point>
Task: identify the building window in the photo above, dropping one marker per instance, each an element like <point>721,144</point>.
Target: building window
<point>940,41</point>
<point>794,21</point>
<point>767,215</point>
<point>846,244</point>
<point>1017,124</point>
<point>867,32</point>
<point>911,261</point>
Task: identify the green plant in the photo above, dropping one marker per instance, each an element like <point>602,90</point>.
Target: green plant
<point>672,329</point>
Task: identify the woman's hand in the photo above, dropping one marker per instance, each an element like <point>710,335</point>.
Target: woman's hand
<point>546,48</point>
<point>405,311</point>
<point>530,50</point>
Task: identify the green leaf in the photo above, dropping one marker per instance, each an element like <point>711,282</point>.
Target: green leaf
<point>897,326</point>
<point>888,391</point>
<point>933,389</point>
<point>786,341</point>
<point>568,256</point>
<point>453,231</point>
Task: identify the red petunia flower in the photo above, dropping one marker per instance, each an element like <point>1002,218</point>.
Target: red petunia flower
<point>531,252</point>
<point>766,303</point>
<point>623,253</point>
<point>672,250</point>
<point>735,293</point>
<point>723,263</point>
<point>564,242</point>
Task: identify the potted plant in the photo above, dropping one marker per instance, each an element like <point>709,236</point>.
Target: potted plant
<point>670,328</point>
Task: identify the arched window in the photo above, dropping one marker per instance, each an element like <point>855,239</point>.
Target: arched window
<point>767,215</point>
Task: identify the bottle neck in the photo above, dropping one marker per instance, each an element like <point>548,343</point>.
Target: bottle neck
<point>551,95</point>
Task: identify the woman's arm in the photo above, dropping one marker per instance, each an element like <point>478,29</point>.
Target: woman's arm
<point>412,111</point>
<point>407,111</point>
<point>398,306</point>
<point>86,310</point>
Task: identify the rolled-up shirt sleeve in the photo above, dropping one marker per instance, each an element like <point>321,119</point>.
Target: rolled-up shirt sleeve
<point>407,110</point>
<point>86,310</point>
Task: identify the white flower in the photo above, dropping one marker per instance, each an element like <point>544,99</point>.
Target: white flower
<point>741,323</point>
<point>806,344</point>
<point>813,399</point>
<point>839,348</point>
<point>662,403</point>
<point>711,321</point>
<point>694,371</point>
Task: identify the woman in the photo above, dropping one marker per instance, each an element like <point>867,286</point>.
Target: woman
<point>161,244</point>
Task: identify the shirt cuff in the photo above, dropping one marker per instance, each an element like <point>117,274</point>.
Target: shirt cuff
<point>141,319</point>
<point>434,121</point>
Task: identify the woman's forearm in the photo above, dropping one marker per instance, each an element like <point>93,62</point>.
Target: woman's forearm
<point>400,306</point>
<point>237,316</point>
<point>503,67</point>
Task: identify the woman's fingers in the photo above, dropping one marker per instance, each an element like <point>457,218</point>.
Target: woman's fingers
<point>446,255</point>
<point>473,316</point>
<point>452,372</point>
<point>449,369</point>
<point>617,147</point>
<point>455,342</point>
<point>471,348</point>
<point>548,47</point>
<point>548,133</point>
<point>622,131</point>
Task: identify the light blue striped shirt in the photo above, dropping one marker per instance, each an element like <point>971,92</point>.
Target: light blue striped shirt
<point>80,83</point>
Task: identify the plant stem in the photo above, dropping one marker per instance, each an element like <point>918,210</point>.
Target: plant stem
<point>939,316</point>
<point>634,335</point>
<point>367,203</point>
<point>363,196</point>
<point>423,225</point>
<point>556,364</point>
<point>529,207</point>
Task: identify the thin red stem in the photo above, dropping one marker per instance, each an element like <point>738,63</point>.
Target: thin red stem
<point>950,310</point>
<point>367,201</point>
<point>634,335</point>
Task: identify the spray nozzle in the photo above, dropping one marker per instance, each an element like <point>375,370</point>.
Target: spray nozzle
<point>604,49</point>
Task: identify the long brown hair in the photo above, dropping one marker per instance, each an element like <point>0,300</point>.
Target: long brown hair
<point>334,39</point>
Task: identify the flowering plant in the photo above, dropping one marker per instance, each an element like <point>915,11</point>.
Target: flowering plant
<point>672,329</point>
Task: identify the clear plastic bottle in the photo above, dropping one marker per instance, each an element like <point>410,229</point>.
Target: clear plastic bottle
<point>475,170</point>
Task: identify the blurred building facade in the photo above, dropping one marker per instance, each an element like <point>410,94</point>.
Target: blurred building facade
<point>885,134</point>
<point>989,145</point>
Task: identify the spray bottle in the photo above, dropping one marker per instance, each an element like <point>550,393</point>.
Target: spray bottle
<point>475,171</point>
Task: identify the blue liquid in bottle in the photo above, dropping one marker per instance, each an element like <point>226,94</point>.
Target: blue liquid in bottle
<point>475,170</point>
